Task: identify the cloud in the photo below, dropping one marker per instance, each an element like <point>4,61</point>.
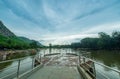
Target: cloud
<point>97,10</point>
<point>60,21</point>
<point>27,10</point>
<point>108,28</point>
<point>90,32</point>
<point>19,10</point>
<point>65,39</point>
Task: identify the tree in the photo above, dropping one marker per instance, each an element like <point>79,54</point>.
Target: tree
<point>89,43</point>
<point>34,44</point>
<point>116,39</point>
<point>104,41</point>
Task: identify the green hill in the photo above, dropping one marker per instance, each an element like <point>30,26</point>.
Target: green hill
<point>9,40</point>
<point>29,40</point>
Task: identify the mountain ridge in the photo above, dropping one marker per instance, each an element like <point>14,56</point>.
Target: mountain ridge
<point>8,40</point>
<point>5,31</point>
<point>29,40</point>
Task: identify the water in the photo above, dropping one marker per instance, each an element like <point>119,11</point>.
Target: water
<point>11,68</point>
<point>109,58</point>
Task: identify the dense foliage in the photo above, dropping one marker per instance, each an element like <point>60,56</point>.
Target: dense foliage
<point>15,43</point>
<point>104,41</point>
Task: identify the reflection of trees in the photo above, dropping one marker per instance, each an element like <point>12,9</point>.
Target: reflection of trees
<point>109,58</point>
<point>12,56</point>
<point>16,55</point>
<point>4,65</point>
<point>50,50</point>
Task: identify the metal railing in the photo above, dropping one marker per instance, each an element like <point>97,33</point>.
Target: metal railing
<point>17,67</point>
<point>97,73</point>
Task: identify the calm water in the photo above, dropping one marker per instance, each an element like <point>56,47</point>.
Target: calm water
<point>109,58</point>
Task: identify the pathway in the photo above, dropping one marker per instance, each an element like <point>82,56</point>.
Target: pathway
<point>58,67</point>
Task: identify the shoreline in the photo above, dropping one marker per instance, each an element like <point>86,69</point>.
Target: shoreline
<point>5,54</point>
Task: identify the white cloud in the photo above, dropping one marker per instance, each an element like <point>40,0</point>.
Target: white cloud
<point>108,28</point>
<point>60,21</point>
<point>91,32</point>
<point>65,39</point>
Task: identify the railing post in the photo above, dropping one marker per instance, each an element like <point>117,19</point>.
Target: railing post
<point>83,60</point>
<point>44,53</point>
<point>40,58</point>
<point>18,69</point>
<point>79,59</point>
<point>32,62</point>
<point>94,71</point>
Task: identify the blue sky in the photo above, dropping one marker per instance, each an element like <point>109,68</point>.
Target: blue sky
<point>60,21</point>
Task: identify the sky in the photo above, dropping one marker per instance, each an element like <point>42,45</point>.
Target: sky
<point>60,21</point>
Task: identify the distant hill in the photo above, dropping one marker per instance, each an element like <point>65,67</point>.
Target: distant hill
<point>29,40</point>
<point>9,40</point>
<point>5,31</point>
<point>25,39</point>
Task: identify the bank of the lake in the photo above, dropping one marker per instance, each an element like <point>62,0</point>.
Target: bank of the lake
<point>12,54</point>
<point>109,58</point>
<point>15,54</point>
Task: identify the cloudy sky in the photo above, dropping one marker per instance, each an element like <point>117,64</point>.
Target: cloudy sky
<point>60,21</point>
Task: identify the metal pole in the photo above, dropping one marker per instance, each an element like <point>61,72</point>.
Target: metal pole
<point>94,71</point>
<point>32,62</point>
<point>18,69</point>
<point>40,58</point>
<point>44,53</point>
<point>79,59</point>
<point>83,60</point>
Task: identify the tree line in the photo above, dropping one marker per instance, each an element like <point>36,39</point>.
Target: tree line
<point>104,41</point>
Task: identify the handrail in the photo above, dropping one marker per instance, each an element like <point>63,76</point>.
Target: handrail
<point>19,59</point>
<point>98,63</point>
<point>103,75</point>
<point>17,66</point>
<point>102,65</point>
<point>93,75</point>
<point>85,59</point>
<point>16,59</point>
<point>7,68</point>
<point>7,75</point>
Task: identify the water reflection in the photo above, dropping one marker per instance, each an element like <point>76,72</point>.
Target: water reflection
<point>4,65</point>
<point>25,65</point>
<point>109,58</point>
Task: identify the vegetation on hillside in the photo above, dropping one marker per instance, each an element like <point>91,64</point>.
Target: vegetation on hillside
<point>15,43</point>
<point>8,40</point>
<point>104,41</point>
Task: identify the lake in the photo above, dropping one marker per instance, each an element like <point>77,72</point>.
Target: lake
<point>109,58</point>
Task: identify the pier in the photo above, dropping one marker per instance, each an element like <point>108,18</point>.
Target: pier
<point>57,66</point>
